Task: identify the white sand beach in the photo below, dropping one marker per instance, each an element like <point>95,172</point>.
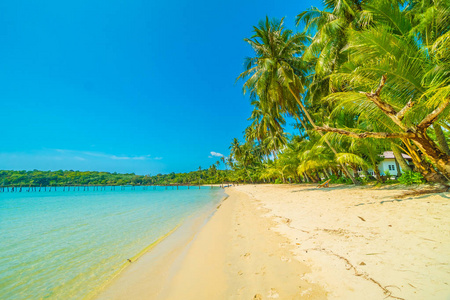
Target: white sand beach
<point>300,242</point>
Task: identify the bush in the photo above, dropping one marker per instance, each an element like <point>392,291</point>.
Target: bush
<point>342,179</point>
<point>411,177</point>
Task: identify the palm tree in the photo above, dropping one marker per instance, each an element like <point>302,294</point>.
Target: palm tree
<point>416,96</point>
<point>276,73</point>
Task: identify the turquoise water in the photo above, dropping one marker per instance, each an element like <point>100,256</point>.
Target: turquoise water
<point>65,245</point>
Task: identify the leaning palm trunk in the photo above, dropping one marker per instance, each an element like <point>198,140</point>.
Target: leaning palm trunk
<point>421,165</point>
<point>437,157</point>
<point>311,177</point>
<point>248,174</point>
<point>306,177</point>
<point>441,139</point>
<point>417,133</point>
<point>376,171</point>
<point>399,158</point>
<point>344,168</point>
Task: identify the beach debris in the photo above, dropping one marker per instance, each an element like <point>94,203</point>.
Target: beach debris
<point>240,273</point>
<point>129,260</point>
<point>306,292</point>
<point>246,254</point>
<point>362,263</point>
<point>284,258</point>
<point>273,294</point>
<point>257,297</point>
<point>361,218</point>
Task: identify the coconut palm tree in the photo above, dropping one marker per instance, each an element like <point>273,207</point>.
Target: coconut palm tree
<point>276,75</point>
<point>413,92</point>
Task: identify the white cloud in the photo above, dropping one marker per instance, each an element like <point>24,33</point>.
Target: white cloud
<point>216,154</point>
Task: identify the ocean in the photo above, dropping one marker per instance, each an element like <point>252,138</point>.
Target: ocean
<point>66,245</point>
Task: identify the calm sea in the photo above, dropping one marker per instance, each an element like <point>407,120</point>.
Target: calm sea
<point>65,245</point>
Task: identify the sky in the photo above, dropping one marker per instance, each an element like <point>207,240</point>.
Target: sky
<point>125,86</point>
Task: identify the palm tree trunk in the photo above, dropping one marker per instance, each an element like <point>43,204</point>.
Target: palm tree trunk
<point>318,176</point>
<point>400,160</point>
<point>312,178</point>
<point>432,151</point>
<point>422,166</point>
<point>306,177</point>
<point>441,139</point>
<point>248,174</point>
<point>377,173</point>
<point>349,175</point>
<point>355,172</point>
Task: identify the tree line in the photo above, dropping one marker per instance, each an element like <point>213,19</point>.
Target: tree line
<point>77,178</point>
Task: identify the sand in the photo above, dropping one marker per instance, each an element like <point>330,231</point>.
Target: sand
<point>300,242</point>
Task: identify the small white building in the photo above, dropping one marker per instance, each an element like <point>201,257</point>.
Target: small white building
<point>389,165</point>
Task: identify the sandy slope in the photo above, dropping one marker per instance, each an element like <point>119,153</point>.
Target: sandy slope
<point>298,242</point>
<point>362,243</point>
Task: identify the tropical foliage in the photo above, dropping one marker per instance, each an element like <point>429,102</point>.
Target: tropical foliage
<point>77,178</point>
<point>355,79</point>
<point>358,78</point>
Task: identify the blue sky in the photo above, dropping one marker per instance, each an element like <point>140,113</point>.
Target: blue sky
<point>127,86</point>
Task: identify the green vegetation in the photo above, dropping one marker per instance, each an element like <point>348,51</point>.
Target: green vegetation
<point>74,178</point>
<point>411,178</point>
<point>359,77</point>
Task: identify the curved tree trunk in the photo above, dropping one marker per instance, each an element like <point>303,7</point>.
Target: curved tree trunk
<point>399,159</point>
<point>423,166</point>
<point>312,178</point>
<point>399,173</point>
<point>306,178</point>
<point>432,151</point>
<point>377,173</point>
<point>441,138</point>
<point>344,168</point>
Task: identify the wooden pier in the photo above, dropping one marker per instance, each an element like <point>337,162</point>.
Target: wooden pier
<point>92,188</point>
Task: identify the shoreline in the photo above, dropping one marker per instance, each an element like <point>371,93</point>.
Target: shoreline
<point>94,294</point>
<point>166,249</point>
<point>297,242</point>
